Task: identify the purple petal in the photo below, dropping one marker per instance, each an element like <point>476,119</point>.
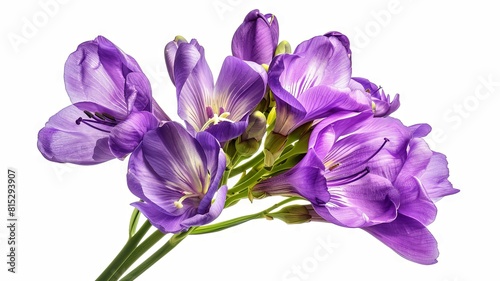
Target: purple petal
<point>414,201</point>
<point>364,202</point>
<point>62,140</point>
<point>225,131</point>
<point>214,211</point>
<point>256,38</point>
<point>409,238</point>
<point>240,87</point>
<point>127,135</point>
<point>344,40</point>
<point>170,51</point>
<point>326,132</point>
<point>315,99</point>
<point>176,157</point>
<point>194,83</point>
<point>305,179</point>
<point>216,165</point>
<point>435,178</point>
<point>325,62</point>
<point>96,73</point>
<point>138,92</point>
<point>144,183</point>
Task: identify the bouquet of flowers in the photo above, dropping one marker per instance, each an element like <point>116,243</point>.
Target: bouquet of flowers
<point>275,122</point>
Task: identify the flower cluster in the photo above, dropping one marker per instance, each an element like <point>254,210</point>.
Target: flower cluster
<point>275,122</point>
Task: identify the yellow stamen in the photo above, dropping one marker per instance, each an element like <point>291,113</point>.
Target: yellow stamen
<point>216,119</point>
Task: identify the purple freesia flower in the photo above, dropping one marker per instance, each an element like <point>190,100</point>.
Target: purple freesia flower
<point>256,38</point>
<point>313,82</point>
<point>112,107</point>
<point>221,109</point>
<point>371,173</point>
<point>177,177</point>
<point>383,106</point>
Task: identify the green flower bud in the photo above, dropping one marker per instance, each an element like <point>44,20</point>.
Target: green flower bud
<point>293,214</point>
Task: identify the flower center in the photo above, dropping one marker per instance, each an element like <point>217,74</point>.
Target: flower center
<point>99,121</point>
<point>215,118</point>
<point>178,204</point>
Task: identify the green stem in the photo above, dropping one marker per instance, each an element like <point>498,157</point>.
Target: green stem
<point>237,221</point>
<point>124,253</point>
<point>248,182</point>
<point>138,252</point>
<point>247,165</point>
<point>165,249</point>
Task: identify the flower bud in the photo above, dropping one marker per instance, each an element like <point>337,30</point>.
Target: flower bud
<point>169,52</point>
<point>283,48</point>
<point>256,38</point>
<point>249,142</point>
<point>382,105</point>
<point>293,214</point>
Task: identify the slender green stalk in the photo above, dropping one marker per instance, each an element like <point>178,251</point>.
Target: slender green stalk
<point>248,181</point>
<point>137,253</point>
<point>124,253</point>
<point>237,221</point>
<point>254,162</point>
<point>165,249</point>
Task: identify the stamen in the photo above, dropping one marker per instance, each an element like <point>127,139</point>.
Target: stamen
<point>100,116</point>
<point>88,113</point>
<point>352,178</point>
<point>178,204</point>
<point>109,116</point>
<point>216,119</point>
<point>386,140</point>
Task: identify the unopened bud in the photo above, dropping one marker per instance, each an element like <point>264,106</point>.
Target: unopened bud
<point>293,214</point>
<point>283,48</point>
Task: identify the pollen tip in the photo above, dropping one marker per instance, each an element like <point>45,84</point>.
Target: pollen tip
<point>178,205</point>
<point>78,121</point>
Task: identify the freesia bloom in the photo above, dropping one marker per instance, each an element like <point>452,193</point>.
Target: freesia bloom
<point>313,82</point>
<point>371,173</point>
<point>112,107</point>
<point>256,38</point>
<point>383,106</point>
<point>177,177</point>
<point>221,109</point>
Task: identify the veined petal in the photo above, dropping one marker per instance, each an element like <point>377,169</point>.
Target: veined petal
<point>216,165</point>
<point>409,238</point>
<point>176,157</point>
<point>138,92</point>
<point>324,62</point>
<point>240,87</point>
<point>364,202</point>
<point>170,51</point>
<point>127,135</point>
<point>96,72</point>
<point>144,183</point>
<point>326,132</point>
<point>305,179</point>
<point>256,38</point>
<point>213,212</point>
<point>194,83</point>
<point>435,178</point>
<point>63,140</point>
<point>321,101</point>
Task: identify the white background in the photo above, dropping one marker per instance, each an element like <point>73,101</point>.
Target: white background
<point>74,219</point>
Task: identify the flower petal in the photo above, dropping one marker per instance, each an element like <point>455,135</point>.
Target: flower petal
<point>435,178</point>
<point>256,38</point>
<point>96,73</point>
<point>127,135</point>
<point>176,157</point>
<point>194,83</point>
<point>409,238</point>
<point>62,140</point>
<point>325,62</point>
<point>138,92</point>
<point>240,87</point>
<point>364,202</point>
<point>215,210</point>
